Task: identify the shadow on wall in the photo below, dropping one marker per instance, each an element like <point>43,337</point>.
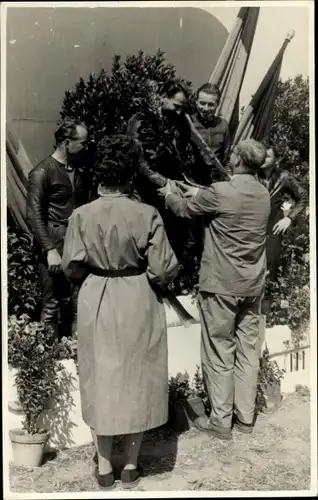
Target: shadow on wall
<point>48,49</point>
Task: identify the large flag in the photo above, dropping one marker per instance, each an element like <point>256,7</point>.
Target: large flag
<point>256,120</point>
<point>18,168</point>
<point>230,69</point>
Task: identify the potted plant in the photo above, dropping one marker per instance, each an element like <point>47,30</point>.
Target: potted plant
<point>184,405</point>
<point>269,383</point>
<point>35,354</point>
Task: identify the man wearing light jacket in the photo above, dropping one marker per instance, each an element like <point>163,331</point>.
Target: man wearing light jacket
<point>231,285</point>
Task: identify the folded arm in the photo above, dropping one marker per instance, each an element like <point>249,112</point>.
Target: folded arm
<point>299,195</point>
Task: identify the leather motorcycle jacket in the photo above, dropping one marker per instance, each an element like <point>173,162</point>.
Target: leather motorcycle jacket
<point>280,184</point>
<point>50,202</point>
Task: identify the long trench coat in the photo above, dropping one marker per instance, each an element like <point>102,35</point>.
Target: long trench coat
<point>122,334</point>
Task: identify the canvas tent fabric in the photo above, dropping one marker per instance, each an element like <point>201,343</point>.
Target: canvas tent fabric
<point>18,167</point>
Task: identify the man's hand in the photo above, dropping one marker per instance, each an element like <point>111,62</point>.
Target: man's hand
<point>54,261</point>
<point>168,188</point>
<point>187,191</point>
<point>192,191</point>
<point>282,226</point>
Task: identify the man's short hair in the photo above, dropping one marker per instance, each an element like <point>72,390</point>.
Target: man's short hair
<point>172,87</point>
<point>252,153</point>
<point>67,130</point>
<point>211,89</point>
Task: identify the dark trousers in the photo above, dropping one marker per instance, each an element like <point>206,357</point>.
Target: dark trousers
<point>59,296</point>
<point>273,254</point>
<point>230,351</point>
<point>59,301</point>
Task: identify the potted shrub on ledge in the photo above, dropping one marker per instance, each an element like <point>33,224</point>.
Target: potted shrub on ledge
<point>184,403</point>
<point>269,394</point>
<point>35,353</point>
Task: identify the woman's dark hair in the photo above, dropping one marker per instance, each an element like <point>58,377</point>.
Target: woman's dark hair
<point>117,160</point>
<point>171,88</point>
<point>67,130</point>
<point>211,89</point>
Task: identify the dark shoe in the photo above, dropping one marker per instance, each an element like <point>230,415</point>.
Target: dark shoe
<point>203,425</point>
<point>244,428</point>
<point>130,478</point>
<point>105,481</point>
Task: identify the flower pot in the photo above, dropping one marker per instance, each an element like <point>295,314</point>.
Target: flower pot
<point>193,408</point>
<point>273,396</point>
<point>178,420</point>
<point>184,411</point>
<point>28,449</point>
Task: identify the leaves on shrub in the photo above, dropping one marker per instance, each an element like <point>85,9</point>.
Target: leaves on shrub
<point>36,354</point>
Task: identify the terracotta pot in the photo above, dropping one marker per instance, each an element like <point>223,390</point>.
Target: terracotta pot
<point>28,449</point>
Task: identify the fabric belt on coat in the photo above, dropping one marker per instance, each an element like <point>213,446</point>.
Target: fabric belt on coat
<point>116,273</point>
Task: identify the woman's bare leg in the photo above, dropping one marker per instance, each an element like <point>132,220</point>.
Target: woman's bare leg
<point>104,446</point>
<point>132,443</point>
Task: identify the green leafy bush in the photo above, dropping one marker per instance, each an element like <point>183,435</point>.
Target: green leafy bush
<point>200,390</point>
<point>180,387</point>
<point>270,375</point>
<point>35,353</point>
<point>290,133</point>
<point>23,279</point>
<point>107,100</point>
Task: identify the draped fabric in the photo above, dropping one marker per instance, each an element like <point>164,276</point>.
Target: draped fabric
<point>18,167</point>
<point>256,120</point>
<point>230,69</point>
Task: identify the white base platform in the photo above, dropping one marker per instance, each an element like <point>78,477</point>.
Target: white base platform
<point>64,419</point>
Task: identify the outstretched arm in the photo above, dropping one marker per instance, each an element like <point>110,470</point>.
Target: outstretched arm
<point>198,202</point>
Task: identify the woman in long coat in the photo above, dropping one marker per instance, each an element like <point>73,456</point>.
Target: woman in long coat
<point>119,246</point>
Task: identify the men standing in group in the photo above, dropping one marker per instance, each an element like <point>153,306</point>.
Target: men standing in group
<point>51,197</point>
<point>231,284</point>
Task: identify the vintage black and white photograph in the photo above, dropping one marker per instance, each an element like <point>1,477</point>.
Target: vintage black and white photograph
<point>158,249</point>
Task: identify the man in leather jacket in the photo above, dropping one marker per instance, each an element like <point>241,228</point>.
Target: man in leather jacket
<point>279,183</point>
<point>53,192</point>
<point>163,139</point>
